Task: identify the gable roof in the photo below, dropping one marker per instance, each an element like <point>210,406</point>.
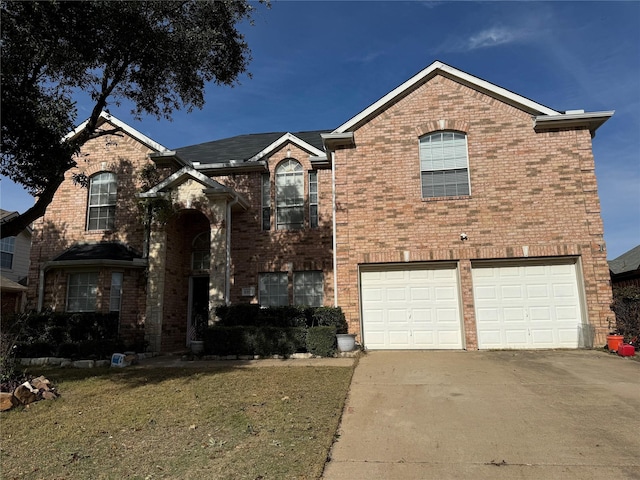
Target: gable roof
<point>248,148</point>
<point>108,118</point>
<point>6,215</point>
<point>627,262</point>
<point>539,111</point>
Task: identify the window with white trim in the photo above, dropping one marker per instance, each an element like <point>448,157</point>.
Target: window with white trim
<point>313,199</point>
<point>82,289</point>
<point>273,289</point>
<point>201,251</point>
<point>266,202</point>
<point>7,247</point>
<point>115,297</point>
<point>308,288</point>
<point>289,196</point>
<point>102,201</point>
<point>444,165</point>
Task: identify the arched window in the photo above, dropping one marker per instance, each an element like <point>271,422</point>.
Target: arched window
<point>289,196</point>
<point>444,166</point>
<point>103,189</point>
<point>201,251</point>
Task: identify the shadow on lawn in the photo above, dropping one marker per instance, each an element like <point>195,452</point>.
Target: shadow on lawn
<point>130,377</point>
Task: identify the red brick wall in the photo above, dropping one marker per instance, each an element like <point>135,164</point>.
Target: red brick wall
<point>64,224</point>
<point>527,189</point>
<point>254,251</point>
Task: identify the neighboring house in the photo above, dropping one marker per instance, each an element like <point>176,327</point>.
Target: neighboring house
<point>450,214</point>
<point>625,269</point>
<point>14,267</point>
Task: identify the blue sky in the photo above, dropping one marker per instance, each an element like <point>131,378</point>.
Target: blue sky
<point>317,64</point>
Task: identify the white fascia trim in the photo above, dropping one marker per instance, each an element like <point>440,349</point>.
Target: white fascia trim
<point>431,70</point>
<point>107,117</point>
<point>594,119</point>
<point>239,164</point>
<point>170,154</point>
<point>287,137</point>
<point>177,177</point>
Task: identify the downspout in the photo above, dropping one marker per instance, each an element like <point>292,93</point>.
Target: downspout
<point>227,292</point>
<point>333,228</point>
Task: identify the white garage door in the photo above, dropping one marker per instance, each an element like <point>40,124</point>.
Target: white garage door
<point>527,306</point>
<point>411,308</point>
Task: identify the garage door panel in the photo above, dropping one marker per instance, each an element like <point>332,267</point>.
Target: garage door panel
<point>513,315</point>
<point>416,307</point>
<point>537,306</point>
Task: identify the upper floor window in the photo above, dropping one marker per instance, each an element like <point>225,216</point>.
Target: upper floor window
<point>289,196</point>
<point>313,199</point>
<point>444,166</point>
<point>7,247</point>
<point>200,254</point>
<point>266,202</point>
<point>102,201</point>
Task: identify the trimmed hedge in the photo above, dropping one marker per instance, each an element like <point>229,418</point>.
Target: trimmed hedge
<point>67,335</point>
<point>263,341</point>
<point>244,314</point>
<point>321,341</point>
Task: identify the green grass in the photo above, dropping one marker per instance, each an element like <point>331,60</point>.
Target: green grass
<point>168,423</point>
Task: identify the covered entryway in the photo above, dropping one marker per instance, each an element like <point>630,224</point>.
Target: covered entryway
<point>527,305</point>
<point>410,307</point>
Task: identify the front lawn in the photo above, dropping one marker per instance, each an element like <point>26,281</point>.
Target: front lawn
<point>177,423</point>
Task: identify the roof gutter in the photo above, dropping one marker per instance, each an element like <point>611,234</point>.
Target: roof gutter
<point>591,120</point>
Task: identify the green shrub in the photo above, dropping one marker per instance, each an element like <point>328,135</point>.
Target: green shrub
<point>330,316</point>
<point>238,314</point>
<point>321,341</point>
<point>626,306</point>
<point>263,341</point>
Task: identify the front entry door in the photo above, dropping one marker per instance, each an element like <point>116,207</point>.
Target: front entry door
<point>199,307</point>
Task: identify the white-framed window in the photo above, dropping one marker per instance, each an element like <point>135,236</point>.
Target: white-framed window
<point>273,289</point>
<point>444,165</point>
<point>115,297</point>
<point>103,191</point>
<point>82,289</point>
<point>201,251</point>
<point>266,202</point>
<point>7,247</point>
<point>313,199</point>
<point>289,196</point>
<point>308,288</point>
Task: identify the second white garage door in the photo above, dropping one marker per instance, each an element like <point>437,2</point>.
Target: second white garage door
<point>410,308</point>
<point>527,306</point>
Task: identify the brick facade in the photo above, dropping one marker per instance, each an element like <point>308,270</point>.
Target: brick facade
<point>528,189</point>
<point>533,195</point>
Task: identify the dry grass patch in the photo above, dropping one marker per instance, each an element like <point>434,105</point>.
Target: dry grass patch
<point>226,423</point>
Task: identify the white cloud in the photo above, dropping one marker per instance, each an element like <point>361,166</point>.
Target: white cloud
<point>492,37</point>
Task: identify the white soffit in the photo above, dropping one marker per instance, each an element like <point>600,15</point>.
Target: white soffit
<point>448,71</point>
<point>287,137</point>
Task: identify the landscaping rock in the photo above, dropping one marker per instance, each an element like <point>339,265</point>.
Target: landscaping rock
<point>8,401</point>
<point>83,364</point>
<point>102,363</point>
<point>41,383</point>
<point>25,361</point>
<point>26,394</point>
<point>65,363</point>
<point>38,362</point>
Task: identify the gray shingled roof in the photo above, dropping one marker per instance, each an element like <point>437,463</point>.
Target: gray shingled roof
<point>241,147</point>
<point>98,251</point>
<point>627,262</point>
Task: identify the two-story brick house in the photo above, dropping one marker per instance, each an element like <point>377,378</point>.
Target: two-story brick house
<point>452,213</point>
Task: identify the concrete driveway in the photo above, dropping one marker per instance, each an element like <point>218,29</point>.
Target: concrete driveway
<point>503,414</point>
